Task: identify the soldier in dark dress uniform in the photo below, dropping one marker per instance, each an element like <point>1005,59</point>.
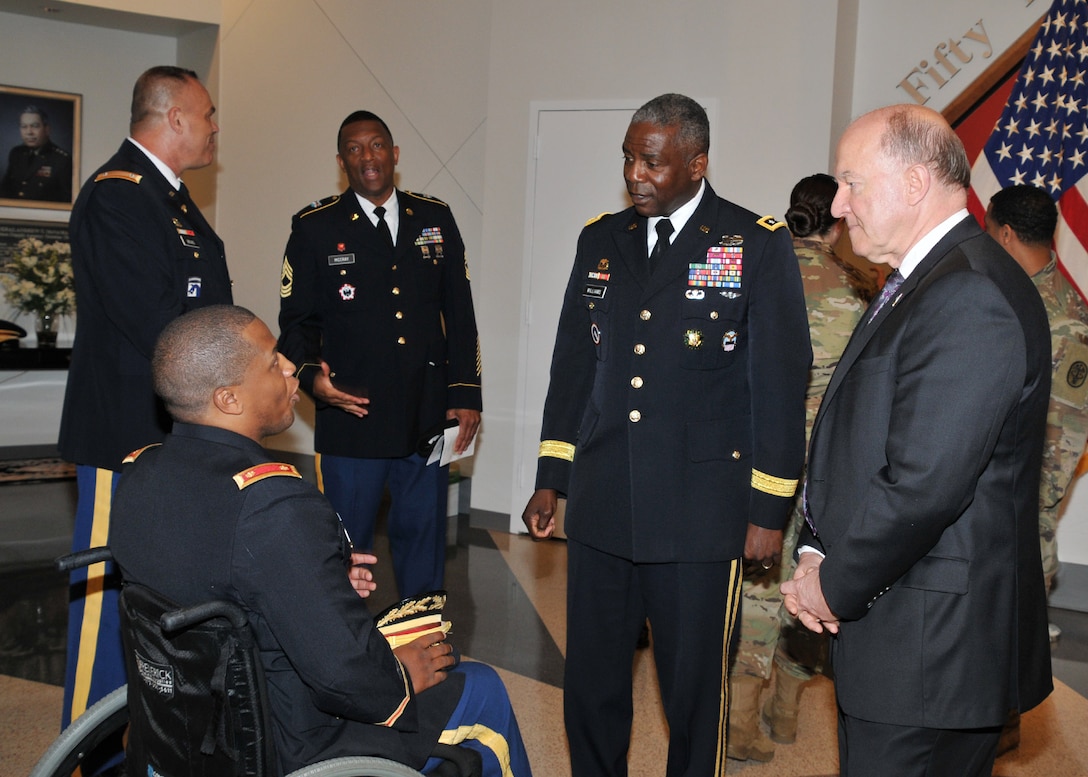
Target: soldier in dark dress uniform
<point>674,425</point>
<point>142,255</point>
<point>39,169</point>
<point>376,311</point>
<point>209,515</point>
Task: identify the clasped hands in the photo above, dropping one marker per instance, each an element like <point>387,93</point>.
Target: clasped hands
<point>804,597</point>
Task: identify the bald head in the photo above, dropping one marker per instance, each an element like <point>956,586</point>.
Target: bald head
<point>901,172</point>
<point>172,117</point>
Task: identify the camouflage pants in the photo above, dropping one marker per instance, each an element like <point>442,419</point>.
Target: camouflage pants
<point>768,633</point>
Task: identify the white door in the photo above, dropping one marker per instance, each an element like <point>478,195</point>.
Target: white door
<point>575,173</point>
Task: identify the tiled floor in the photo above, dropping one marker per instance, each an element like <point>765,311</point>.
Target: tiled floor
<point>506,604</point>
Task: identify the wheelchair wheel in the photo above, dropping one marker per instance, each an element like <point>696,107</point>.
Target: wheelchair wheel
<point>356,766</point>
<point>107,717</point>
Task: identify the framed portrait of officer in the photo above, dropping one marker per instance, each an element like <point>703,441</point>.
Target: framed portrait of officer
<point>39,147</point>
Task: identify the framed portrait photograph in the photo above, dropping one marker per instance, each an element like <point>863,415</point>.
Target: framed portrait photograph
<point>39,147</point>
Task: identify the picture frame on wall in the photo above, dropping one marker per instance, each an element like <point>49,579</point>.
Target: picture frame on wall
<point>39,147</point>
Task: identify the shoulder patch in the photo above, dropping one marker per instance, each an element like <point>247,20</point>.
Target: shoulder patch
<point>598,217</point>
<point>251,475</point>
<point>123,175</point>
<point>427,198</point>
<point>317,205</point>
<point>136,453</point>
<point>771,223</point>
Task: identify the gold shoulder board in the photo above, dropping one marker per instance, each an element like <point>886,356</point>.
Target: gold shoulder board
<point>598,217</point>
<point>251,475</point>
<point>123,175</point>
<point>317,205</point>
<point>136,453</point>
<point>426,198</point>
<point>771,223</point>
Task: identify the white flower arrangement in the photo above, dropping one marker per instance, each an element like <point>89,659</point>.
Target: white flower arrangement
<point>38,278</point>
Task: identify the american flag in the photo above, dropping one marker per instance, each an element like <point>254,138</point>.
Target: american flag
<point>1042,135</point>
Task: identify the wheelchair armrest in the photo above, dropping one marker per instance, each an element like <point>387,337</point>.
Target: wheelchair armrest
<point>198,613</point>
<point>83,558</point>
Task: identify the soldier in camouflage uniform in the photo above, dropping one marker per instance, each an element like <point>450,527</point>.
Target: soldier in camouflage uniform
<point>1023,220</point>
<point>836,295</point>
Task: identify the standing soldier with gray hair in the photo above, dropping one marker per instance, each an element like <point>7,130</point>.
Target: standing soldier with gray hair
<point>674,425</point>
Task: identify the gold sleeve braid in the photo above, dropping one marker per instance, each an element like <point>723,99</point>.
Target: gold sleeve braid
<point>556,449</point>
<point>769,484</point>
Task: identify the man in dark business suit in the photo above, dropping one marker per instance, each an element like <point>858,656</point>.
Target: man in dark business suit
<point>922,551</point>
<point>142,255</point>
<point>674,425</point>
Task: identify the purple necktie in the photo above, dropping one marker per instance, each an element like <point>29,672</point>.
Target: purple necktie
<point>891,285</point>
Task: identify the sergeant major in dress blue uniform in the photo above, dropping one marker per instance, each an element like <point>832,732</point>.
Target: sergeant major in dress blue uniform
<point>376,311</point>
<point>674,425</point>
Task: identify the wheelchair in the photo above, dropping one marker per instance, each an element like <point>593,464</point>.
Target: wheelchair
<point>196,700</point>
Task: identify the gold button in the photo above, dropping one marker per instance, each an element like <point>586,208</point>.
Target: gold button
<point>399,315</point>
<point>736,455</point>
<point>640,349</point>
<point>394,268</point>
<point>592,305</point>
<point>644,315</point>
<point>196,254</point>
<point>343,272</point>
<point>401,341</point>
<point>636,382</point>
<point>635,416</point>
<point>396,291</point>
<point>713,315</point>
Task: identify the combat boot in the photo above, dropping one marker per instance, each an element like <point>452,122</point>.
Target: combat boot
<point>745,738</point>
<point>780,711</point>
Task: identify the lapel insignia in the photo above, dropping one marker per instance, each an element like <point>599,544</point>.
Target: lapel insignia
<point>693,339</point>
<point>602,266</point>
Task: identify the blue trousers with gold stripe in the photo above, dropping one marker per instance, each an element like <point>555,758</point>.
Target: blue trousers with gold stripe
<point>95,662</point>
<point>481,724</point>
<point>692,609</point>
<point>416,524</point>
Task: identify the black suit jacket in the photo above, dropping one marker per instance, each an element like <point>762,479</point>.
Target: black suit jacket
<point>923,489</point>
<point>142,255</point>
<point>396,325</point>
<point>675,413</point>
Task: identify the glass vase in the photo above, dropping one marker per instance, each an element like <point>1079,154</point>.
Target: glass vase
<point>47,330</point>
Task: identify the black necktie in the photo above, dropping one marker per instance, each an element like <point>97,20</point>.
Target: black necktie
<point>383,227</point>
<point>891,285</point>
<point>664,232</point>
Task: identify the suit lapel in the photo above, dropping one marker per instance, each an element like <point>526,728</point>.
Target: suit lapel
<point>864,332</point>
<point>630,239</point>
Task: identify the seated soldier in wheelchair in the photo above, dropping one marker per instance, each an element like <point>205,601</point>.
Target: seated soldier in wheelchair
<point>208,514</point>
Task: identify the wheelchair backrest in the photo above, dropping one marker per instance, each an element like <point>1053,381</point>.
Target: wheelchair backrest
<point>196,693</point>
